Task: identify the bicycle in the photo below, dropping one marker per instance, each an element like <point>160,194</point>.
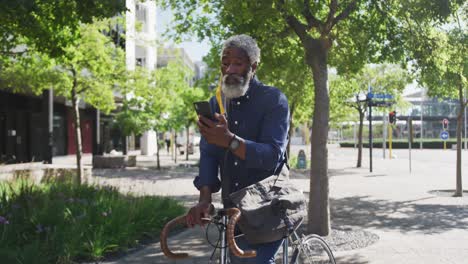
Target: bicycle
<point>306,249</point>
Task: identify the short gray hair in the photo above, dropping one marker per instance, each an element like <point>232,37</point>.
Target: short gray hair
<point>246,43</point>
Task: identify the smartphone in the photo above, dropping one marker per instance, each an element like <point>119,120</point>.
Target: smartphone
<point>203,108</point>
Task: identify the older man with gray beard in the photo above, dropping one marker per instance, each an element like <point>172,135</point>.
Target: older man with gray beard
<point>248,143</point>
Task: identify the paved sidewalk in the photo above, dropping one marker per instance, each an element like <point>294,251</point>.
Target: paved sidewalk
<point>413,224</point>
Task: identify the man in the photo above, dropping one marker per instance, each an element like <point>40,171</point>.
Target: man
<point>247,146</point>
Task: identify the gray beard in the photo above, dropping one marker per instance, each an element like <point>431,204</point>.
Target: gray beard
<point>231,91</point>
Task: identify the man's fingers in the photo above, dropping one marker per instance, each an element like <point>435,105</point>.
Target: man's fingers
<point>221,118</point>
<point>200,124</point>
<point>189,220</point>
<point>207,122</point>
<point>205,131</point>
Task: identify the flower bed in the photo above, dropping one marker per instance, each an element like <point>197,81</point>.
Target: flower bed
<point>61,223</point>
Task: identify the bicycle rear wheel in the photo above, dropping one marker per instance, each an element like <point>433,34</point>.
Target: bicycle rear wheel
<point>313,250</point>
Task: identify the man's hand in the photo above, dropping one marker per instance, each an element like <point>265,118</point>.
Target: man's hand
<point>215,133</point>
<point>196,213</point>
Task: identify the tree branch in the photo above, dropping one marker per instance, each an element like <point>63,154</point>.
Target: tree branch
<point>331,14</point>
<point>343,15</point>
<point>293,22</point>
<point>284,33</point>
<point>311,20</point>
<point>84,89</point>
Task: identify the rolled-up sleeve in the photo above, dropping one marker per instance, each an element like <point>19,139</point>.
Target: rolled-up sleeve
<point>209,164</point>
<point>266,152</point>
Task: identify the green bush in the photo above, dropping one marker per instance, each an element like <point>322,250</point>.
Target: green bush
<point>403,144</point>
<point>62,223</point>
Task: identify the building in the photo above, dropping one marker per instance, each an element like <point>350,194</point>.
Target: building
<point>200,69</point>
<point>141,51</point>
<point>36,128</point>
<point>165,55</point>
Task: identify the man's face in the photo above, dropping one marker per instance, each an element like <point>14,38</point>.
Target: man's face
<point>237,72</point>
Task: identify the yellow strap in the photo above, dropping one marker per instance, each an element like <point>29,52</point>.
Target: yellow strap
<point>219,99</point>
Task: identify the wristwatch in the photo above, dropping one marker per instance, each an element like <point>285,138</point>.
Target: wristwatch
<point>234,144</point>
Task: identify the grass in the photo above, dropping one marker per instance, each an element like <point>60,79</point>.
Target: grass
<point>62,223</point>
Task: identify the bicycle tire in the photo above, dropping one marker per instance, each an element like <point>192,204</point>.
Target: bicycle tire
<point>313,250</point>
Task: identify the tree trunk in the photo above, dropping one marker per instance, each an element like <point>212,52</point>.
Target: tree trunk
<point>176,148</point>
<point>319,210</point>
<point>459,189</point>
<point>187,142</point>
<point>76,121</point>
<point>361,126</point>
<point>291,129</point>
<point>158,165</point>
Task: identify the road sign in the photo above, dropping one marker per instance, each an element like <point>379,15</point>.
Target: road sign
<point>381,103</point>
<point>444,135</point>
<point>379,96</point>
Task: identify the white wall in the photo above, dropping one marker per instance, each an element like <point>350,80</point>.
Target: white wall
<point>142,45</point>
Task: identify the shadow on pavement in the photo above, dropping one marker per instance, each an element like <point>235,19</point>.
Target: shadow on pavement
<point>148,173</point>
<point>191,241</point>
<point>351,259</point>
<point>405,216</point>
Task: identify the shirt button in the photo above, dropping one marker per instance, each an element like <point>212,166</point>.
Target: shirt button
<point>235,163</point>
<point>247,97</point>
<point>237,184</point>
<point>235,122</point>
<point>238,103</point>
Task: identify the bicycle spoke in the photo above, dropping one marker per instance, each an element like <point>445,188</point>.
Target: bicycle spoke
<point>315,251</point>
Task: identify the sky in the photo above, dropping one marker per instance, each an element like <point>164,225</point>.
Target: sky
<point>194,48</point>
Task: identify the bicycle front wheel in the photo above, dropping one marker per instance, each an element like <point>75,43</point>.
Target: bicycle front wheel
<point>313,250</point>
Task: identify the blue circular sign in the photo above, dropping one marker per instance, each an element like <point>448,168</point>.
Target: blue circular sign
<point>444,135</point>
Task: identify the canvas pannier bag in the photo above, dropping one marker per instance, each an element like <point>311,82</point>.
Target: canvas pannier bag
<point>270,209</point>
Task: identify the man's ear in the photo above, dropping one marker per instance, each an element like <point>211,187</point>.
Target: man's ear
<point>254,67</point>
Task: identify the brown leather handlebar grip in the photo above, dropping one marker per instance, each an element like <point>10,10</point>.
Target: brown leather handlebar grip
<point>234,216</point>
<point>180,220</point>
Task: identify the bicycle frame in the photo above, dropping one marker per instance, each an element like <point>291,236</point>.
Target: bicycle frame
<point>228,219</point>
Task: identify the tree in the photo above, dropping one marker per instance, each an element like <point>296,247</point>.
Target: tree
<point>355,29</point>
<point>88,70</point>
<point>284,68</point>
<point>384,78</point>
<point>134,117</point>
<point>438,49</point>
<point>187,113</point>
<point>345,34</point>
<point>174,80</point>
<point>49,26</point>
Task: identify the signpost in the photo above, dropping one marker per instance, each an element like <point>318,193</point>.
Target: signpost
<point>444,135</point>
<point>410,137</point>
<point>382,102</point>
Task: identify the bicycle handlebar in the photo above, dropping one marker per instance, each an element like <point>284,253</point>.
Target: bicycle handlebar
<point>233,215</point>
<point>180,220</point>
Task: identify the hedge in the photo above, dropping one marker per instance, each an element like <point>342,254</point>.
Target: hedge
<point>427,144</point>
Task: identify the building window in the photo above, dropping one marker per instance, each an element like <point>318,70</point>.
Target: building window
<point>140,62</point>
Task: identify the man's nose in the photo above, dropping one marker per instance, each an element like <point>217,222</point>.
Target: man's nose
<point>231,69</point>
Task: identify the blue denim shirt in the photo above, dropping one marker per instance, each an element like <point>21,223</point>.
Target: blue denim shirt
<point>261,118</point>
